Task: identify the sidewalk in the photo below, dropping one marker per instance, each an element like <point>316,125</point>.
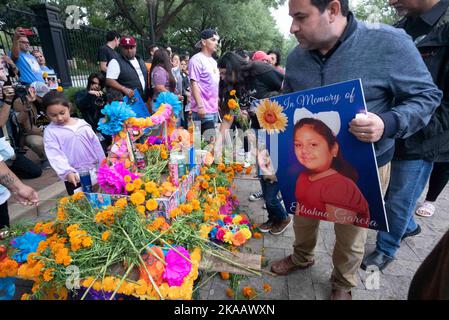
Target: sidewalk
<point>310,284</point>
<point>49,188</point>
<point>313,283</point>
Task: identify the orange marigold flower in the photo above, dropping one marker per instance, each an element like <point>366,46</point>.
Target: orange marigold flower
<point>48,274</point>
<point>257,235</point>
<point>121,203</point>
<point>137,198</point>
<point>248,292</point>
<point>228,117</point>
<point>205,185</point>
<point>105,235</point>
<point>232,92</point>
<point>229,292</point>
<point>266,287</point>
<point>129,187</point>
<point>127,179</point>
<point>224,275</point>
<point>151,205</point>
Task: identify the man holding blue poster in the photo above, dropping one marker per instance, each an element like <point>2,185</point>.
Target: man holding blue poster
<point>400,97</point>
<point>427,24</point>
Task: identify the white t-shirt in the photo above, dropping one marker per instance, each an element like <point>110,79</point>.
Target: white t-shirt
<point>113,71</point>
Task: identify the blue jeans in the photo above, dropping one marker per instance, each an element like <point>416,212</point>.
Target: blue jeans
<point>407,182</point>
<point>276,211</point>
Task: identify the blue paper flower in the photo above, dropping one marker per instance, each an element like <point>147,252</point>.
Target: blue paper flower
<point>25,245</point>
<point>168,98</point>
<point>213,232</point>
<point>116,113</point>
<point>7,288</point>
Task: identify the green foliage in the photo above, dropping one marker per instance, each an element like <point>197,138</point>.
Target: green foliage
<point>374,11</point>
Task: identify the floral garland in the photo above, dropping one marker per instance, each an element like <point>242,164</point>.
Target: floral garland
<point>233,229</point>
<point>116,114</point>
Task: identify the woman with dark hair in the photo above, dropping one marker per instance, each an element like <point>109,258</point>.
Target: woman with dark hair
<point>91,101</point>
<point>251,80</point>
<point>162,79</point>
<point>276,60</point>
<point>327,189</point>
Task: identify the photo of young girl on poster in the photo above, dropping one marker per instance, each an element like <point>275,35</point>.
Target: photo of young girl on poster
<point>327,189</point>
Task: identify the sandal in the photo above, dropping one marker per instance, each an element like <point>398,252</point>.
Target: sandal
<point>427,209</point>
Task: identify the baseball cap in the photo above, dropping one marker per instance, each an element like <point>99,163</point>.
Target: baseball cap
<point>260,56</point>
<point>206,34</point>
<point>127,41</point>
<point>40,88</point>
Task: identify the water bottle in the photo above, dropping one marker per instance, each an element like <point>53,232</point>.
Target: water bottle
<point>86,182</point>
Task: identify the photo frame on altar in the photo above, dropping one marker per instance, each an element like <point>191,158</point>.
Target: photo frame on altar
<point>324,172</point>
<point>102,200</point>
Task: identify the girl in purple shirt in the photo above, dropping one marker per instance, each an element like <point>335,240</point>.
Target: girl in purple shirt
<point>70,143</point>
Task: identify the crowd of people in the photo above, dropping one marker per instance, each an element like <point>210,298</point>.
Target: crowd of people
<point>405,75</point>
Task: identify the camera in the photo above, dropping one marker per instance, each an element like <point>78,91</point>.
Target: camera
<point>100,101</point>
<point>20,90</point>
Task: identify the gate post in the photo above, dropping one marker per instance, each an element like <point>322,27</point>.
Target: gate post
<point>51,34</point>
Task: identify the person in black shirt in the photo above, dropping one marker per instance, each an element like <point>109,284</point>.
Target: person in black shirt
<point>107,52</point>
<point>252,80</point>
<point>90,102</point>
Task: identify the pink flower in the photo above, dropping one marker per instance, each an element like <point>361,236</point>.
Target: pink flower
<point>111,179</point>
<point>177,267</point>
<point>227,220</point>
<point>220,234</point>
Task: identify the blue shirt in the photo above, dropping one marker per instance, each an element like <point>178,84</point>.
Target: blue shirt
<point>30,70</point>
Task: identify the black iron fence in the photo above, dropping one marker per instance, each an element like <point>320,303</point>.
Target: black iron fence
<point>81,44</point>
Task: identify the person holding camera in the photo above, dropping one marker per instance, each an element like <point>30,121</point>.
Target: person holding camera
<point>32,121</point>
<point>30,70</point>
<point>90,102</point>
<point>23,167</point>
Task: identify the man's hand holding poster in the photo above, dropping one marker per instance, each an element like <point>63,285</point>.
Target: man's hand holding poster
<point>324,172</point>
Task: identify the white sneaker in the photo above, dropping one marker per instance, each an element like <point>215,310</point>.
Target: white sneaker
<point>256,196</point>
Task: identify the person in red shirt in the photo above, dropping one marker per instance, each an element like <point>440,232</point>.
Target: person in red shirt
<point>327,190</point>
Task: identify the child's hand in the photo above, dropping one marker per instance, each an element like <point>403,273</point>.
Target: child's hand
<point>73,178</point>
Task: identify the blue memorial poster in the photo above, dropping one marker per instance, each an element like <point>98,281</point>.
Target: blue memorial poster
<point>323,171</point>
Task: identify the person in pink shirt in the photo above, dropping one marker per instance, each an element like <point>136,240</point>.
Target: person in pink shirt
<point>204,81</point>
<point>70,143</point>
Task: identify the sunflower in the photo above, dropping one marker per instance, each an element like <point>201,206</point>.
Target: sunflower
<point>270,116</point>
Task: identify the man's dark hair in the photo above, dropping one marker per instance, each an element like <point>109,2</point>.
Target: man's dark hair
<point>111,35</point>
<point>241,52</point>
<point>322,5</point>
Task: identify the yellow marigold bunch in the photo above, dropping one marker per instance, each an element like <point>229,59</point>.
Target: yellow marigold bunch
<point>46,228</point>
<point>127,179</point>
<point>156,224</point>
<point>137,198</point>
<point>121,203</point>
<point>8,268</point>
<point>186,208</point>
<point>32,269</point>
<point>137,184</point>
<point>110,283</point>
<point>62,257</point>
<point>48,274</point>
<point>78,196</point>
<point>151,205</point>
<point>78,238</point>
<point>204,231</point>
<point>60,214</point>
<point>106,216</point>
<point>221,167</point>
<point>196,204</point>
<point>175,213</point>
<point>130,187</point>
<point>150,187</point>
